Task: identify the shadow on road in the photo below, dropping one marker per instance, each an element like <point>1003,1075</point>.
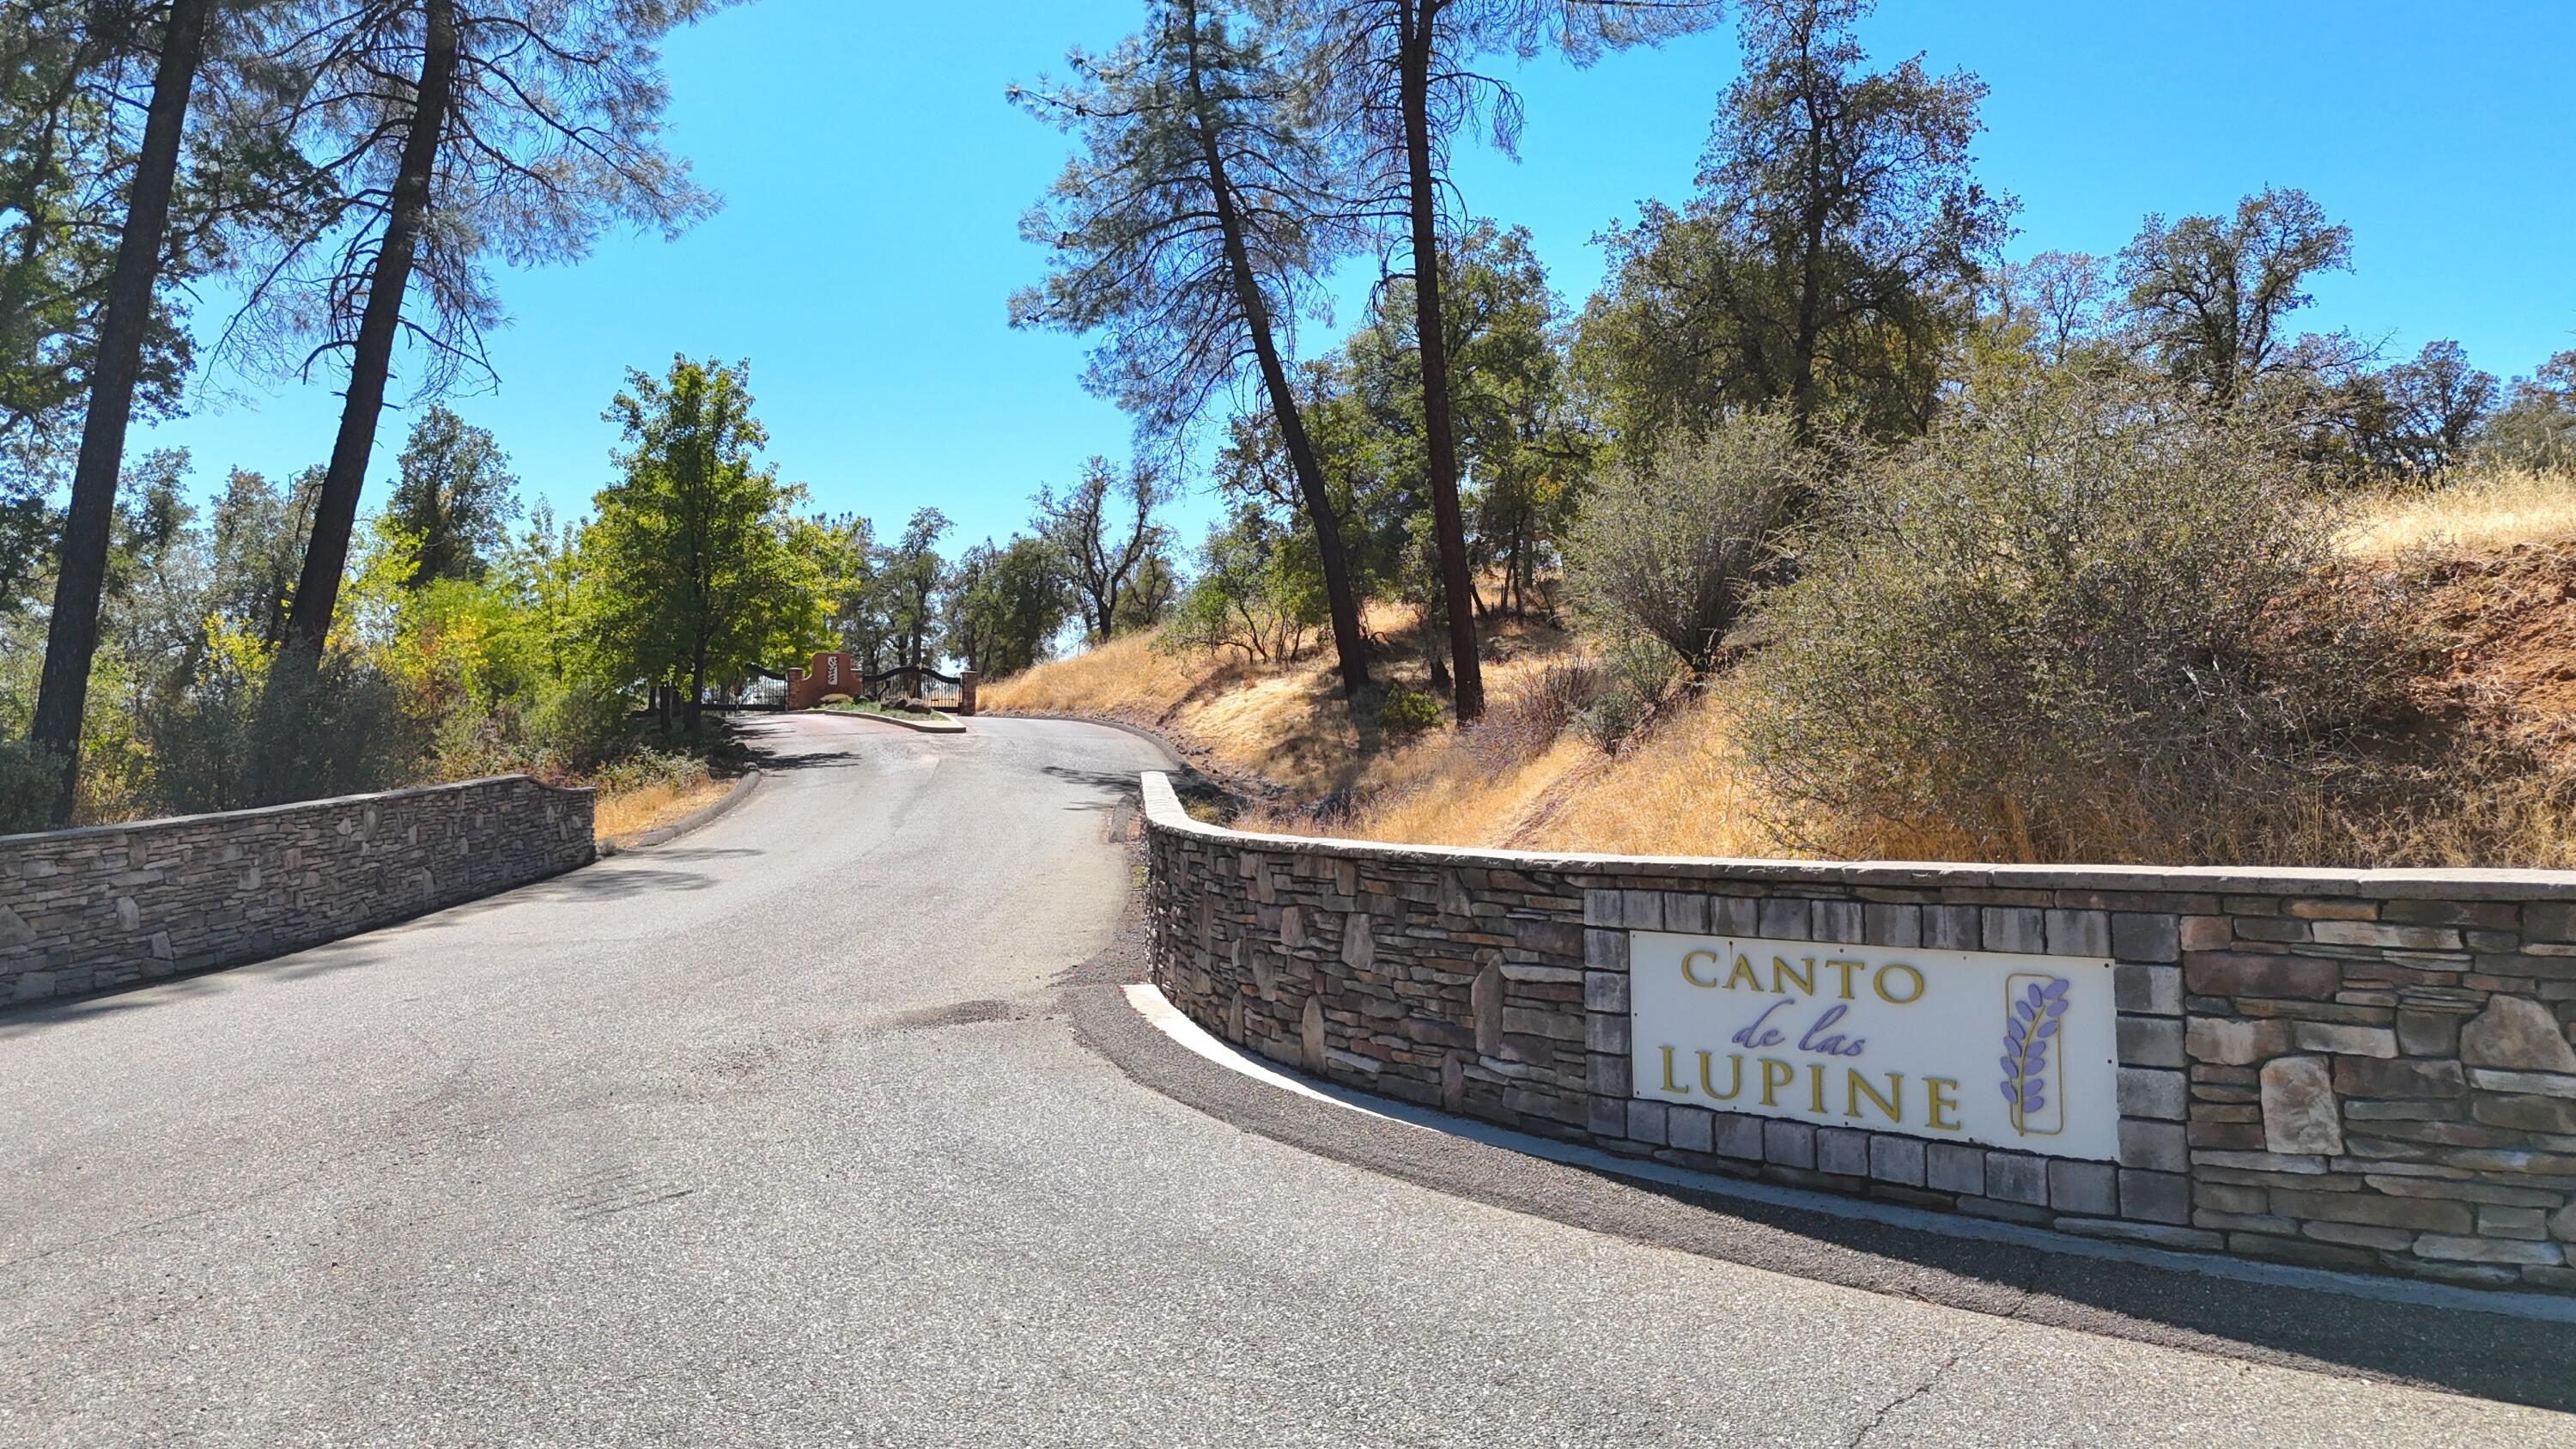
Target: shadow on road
<point>627,878</point>
<point>1116,787</point>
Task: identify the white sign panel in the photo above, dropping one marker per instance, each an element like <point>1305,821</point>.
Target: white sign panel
<point>1966,1046</point>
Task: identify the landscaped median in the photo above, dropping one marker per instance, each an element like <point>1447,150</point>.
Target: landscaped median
<point>110,905</point>
<point>2349,1069</point>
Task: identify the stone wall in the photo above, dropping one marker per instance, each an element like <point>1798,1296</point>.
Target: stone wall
<point>2366,1070</point>
<point>114,904</point>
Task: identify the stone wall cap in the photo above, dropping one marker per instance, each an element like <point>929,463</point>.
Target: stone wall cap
<point>1163,812</point>
<point>182,822</point>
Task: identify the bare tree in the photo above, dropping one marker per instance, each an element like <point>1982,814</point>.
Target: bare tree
<point>2062,297</point>
<point>1396,82</point>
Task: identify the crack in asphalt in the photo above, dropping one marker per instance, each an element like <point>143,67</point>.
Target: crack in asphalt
<point>1941,1370</point>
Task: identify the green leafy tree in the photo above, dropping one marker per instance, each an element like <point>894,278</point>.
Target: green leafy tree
<point>1251,594</point>
<point>1004,605</point>
<point>692,568</point>
<point>1829,262</point>
<point>454,498</point>
<point>2211,296</point>
<point>1153,591</point>
<point>453,130</point>
<point>910,575</point>
<point>256,544</point>
<point>1082,526</point>
<point>2536,427</point>
<point>857,610</point>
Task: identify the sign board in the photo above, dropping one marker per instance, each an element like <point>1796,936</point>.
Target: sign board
<point>1965,1046</point>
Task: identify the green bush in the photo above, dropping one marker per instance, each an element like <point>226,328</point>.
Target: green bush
<point>1634,674</point>
<point>2081,620</point>
<point>1405,711</point>
<point>29,778</point>
<point>1676,550</point>
<point>645,766</point>
<point>335,728</point>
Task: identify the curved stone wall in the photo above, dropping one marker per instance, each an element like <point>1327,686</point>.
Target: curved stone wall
<point>113,904</point>
<point>2351,1069</point>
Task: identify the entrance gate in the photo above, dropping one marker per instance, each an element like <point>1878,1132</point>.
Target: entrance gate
<point>833,674</point>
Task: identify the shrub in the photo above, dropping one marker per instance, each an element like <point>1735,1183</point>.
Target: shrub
<point>1676,549</point>
<point>1635,673</point>
<point>338,729</point>
<point>1524,722</point>
<point>2081,620</point>
<point>1407,710</point>
<point>644,767</point>
<point>29,778</point>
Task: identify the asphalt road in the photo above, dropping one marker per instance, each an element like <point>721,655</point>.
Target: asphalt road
<point>825,1125</point>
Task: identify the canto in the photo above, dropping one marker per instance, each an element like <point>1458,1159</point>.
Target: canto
<point>1895,983</point>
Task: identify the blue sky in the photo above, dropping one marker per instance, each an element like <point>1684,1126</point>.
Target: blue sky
<point>874,175</point>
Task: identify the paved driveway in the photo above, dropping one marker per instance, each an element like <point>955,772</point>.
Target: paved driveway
<point>784,1133</point>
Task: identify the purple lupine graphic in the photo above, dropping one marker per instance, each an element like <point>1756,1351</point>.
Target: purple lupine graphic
<point>2027,1028</point>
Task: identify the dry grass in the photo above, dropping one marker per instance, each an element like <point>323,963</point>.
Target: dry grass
<point>2473,513</point>
<point>648,807</point>
<point>2497,552</point>
<point>1681,790</point>
<point>1678,791</point>
<point>1283,725</point>
<point>1122,677</point>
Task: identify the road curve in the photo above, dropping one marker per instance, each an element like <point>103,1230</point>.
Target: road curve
<point>783,1134</point>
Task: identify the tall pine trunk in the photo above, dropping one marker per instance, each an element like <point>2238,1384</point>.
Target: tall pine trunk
<point>1449,524</point>
<point>335,513</point>
<point>71,637</point>
<point>1350,648</point>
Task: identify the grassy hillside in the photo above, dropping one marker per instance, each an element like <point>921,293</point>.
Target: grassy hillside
<point>2493,561</point>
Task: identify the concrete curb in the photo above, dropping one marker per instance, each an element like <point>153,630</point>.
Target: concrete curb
<point>664,834</point>
<point>1148,1001</point>
<point>1242,790</point>
<point>943,727</point>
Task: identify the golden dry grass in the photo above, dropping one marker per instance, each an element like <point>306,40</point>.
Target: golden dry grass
<point>1679,791</point>
<point>2472,513</point>
<point>1124,675</point>
<point>1283,724</point>
<point>1680,788</point>
<point>648,807</point>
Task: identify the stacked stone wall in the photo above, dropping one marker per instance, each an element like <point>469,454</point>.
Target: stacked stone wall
<point>116,904</point>
<point>2362,1070</point>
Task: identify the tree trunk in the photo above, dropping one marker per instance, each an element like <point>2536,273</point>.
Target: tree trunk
<point>71,637</point>
<point>695,709</point>
<point>335,512</point>
<point>1448,521</point>
<point>1350,649</point>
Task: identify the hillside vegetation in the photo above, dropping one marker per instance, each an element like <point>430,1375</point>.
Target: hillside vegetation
<point>2490,562</point>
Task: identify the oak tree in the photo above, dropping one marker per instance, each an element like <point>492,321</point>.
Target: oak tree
<point>2211,296</point>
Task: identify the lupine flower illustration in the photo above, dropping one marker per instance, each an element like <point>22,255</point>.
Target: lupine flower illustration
<point>2027,1029</point>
